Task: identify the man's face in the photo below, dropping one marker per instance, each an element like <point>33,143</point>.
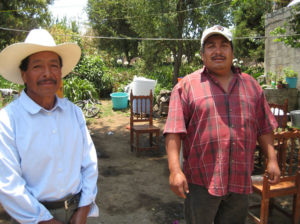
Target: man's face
<point>43,75</point>
<point>218,55</point>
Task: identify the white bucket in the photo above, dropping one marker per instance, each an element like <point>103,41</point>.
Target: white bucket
<point>141,87</point>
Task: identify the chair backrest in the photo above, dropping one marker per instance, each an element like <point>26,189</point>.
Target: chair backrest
<point>280,113</point>
<point>141,108</point>
<point>287,145</point>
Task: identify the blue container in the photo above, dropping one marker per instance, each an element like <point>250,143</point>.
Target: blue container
<point>291,81</point>
<point>119,100</point>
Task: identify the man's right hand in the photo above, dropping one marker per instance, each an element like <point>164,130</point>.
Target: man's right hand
<point>51,221</point>
<point>178,184</point>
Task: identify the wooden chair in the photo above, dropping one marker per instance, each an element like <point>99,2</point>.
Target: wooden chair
<point>288,154</point>
<point>280,112</point>
<point>141,112</point>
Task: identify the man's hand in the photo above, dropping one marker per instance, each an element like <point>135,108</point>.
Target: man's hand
<point>178,184</point>
<point>177,179</point>
<point>266,143</point>
<point>51,221</point>
<point>273,171</point>
<point>80,216</point>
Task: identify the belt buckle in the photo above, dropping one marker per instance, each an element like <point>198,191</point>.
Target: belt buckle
<point>66,204</point>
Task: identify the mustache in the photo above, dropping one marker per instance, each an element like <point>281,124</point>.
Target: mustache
<point>46,80</point>
<point>218,56</point>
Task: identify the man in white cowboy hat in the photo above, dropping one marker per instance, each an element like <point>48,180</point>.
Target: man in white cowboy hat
<point>219,113</point>
<point>48,162</point>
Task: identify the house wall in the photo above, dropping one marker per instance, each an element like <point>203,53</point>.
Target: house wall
<point>278,96</point>
<point>278,55</point>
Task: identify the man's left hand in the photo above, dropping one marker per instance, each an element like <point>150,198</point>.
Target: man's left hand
<point>273,172</point>
<point>80,216</point>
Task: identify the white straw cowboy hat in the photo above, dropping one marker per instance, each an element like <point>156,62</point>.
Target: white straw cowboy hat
<point>36,41</point>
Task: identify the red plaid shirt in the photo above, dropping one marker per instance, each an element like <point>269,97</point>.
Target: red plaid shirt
<point>219,130</point>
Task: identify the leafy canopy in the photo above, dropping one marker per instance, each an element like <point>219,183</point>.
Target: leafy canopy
<point>23,15</point>
<point>293,25</point>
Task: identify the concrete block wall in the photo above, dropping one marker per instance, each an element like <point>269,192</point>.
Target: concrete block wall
<point>278,96</point>
<point>278,55</point>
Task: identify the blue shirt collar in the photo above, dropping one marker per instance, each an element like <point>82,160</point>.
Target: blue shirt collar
<point>33,108</point>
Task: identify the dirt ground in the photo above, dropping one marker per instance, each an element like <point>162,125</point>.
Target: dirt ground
<point>134,189</point>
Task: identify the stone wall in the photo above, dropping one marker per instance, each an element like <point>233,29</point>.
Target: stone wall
<point>278,55</point>
<point>278,96</point>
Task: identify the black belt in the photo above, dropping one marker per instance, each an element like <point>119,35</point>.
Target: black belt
<point>64,203</point>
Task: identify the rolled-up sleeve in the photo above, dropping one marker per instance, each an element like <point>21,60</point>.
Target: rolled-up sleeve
<point>178,110</point>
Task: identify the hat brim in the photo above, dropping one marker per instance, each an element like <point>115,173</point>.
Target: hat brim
<point>11,57</point>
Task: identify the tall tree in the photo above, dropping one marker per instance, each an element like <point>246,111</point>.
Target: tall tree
<point>108,18</point>
<point>292,26</point>
<point>250,24</point>
<point>175,19</point>
<point>172,19</point>
<point>23,15</point>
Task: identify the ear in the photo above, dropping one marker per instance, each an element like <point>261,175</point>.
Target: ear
<point>23,74</point>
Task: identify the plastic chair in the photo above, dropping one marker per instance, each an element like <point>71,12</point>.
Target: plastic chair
<point>288,154</point>
<point>141,113</point>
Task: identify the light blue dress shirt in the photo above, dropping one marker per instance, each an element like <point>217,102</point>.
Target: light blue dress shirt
<point>45,155</point>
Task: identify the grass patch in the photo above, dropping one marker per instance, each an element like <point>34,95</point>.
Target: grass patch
<point>108,111</point>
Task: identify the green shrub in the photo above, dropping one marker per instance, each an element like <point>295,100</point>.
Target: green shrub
<point>76,89</point>
<point>163,74</point>
<point>254,71</point>
<point>4,84</point>
<point>92,68</point>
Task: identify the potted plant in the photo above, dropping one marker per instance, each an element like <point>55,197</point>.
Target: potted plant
<point>281,83</point>
<point>291,77</point>
<point>272,78</point>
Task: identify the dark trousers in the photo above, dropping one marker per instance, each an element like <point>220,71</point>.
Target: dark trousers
<point>201,207</point>
<point>60,214</point>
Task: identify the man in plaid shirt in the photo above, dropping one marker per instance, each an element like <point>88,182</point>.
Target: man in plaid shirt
<point>219,113</point>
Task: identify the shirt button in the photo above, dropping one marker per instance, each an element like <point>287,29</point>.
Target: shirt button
<point>49,113</point>
<point>233,143</point>
<point>54,131</point>
<point>230,110</point>
<point>232,126</point>
<point>61,190</point>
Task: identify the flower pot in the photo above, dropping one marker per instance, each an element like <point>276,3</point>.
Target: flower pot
<point>291,81</point>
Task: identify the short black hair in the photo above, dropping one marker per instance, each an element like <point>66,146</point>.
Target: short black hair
<point>24,63</point>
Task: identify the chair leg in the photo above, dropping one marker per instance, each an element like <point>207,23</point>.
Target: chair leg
<point>131,140</point>
<point>137,146</point>
<point>157,140</point>
<point>264,211</point>
<point>296,209</point>
<point>151,139</point>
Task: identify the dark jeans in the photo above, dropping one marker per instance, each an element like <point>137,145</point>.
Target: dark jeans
<point>203,208</point>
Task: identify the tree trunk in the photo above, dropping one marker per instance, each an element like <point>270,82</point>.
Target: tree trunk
<point>181,6</point>
<point>177,62</point>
